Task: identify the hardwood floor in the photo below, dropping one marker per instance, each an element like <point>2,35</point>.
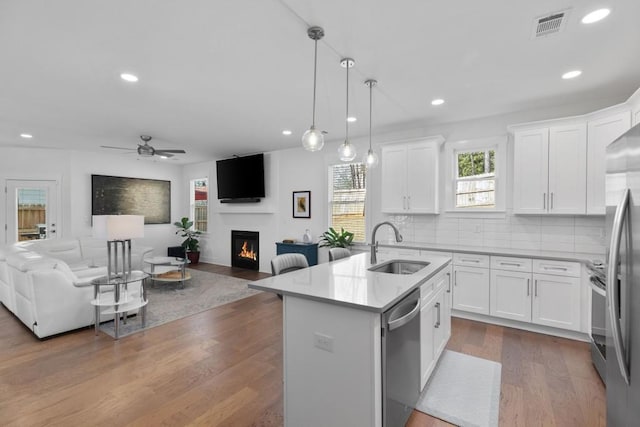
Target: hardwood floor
<point>224,367</point>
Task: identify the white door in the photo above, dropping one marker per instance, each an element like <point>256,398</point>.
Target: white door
<point>601,133</point>
<point>394,177</point>
<point>471,289</point>
<point>568,169</point>
<point>556,301</point>
<point>32,210</point>
<point>511,295</point>
<point>531,171</point>
<point>422,177</point>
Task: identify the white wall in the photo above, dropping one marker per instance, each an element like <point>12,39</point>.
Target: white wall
<point>73,170</point>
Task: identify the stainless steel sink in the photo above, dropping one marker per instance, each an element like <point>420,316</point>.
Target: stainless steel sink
<point>399,266</point>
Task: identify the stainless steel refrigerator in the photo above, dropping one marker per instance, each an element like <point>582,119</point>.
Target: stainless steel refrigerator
<point>623,280</point>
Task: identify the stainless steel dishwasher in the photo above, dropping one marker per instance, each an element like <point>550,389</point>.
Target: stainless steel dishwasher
<point>401,360</point>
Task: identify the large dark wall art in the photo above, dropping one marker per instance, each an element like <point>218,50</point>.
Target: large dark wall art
<point>116,195</point>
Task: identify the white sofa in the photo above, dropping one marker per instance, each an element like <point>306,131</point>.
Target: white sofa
<point>47,283</point>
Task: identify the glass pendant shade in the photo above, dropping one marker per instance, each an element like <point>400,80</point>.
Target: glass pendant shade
<point>371,159</point>
<point>313,139</point>
<point>347,151</point>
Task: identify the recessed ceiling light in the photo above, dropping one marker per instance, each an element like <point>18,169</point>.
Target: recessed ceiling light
<point>286,132</point>
<point>351,119</point>
<point>595,16</point>
<point>127,77</point>
<point>163,157</point>
<point>571,74</point>
<point>26,135</point>
<point>437,101</point>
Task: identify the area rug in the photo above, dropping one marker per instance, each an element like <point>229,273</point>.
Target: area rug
<point>169,301</point>
<point>463,390</point>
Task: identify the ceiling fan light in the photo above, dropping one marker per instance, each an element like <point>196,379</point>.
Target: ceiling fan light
<point>347,151</point>
<point>371,159</point>
<point>313,139</point>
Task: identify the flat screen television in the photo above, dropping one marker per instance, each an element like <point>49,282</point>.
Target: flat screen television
<point>241,179</point>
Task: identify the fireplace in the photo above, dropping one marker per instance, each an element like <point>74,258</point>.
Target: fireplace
<point>245,246</point>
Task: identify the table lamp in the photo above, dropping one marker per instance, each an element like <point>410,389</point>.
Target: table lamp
<point>118,230</point>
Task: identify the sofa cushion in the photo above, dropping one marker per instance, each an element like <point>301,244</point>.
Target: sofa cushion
<point>67,250</point>
<point>28,260</point>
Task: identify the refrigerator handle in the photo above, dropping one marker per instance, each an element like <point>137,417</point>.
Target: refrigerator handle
<point>612,288</point>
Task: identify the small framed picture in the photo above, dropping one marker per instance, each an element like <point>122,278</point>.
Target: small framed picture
<point>302,204</point>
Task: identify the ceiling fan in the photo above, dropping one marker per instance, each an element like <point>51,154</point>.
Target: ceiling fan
<point>146,150</point>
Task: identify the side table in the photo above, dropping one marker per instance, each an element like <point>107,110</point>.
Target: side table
<point>119,300</point>
<point>167,269</point>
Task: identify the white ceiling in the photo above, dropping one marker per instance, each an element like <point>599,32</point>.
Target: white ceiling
<point>225,77</point>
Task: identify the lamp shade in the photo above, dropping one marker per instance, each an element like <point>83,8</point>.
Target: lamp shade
<point>118,227</point>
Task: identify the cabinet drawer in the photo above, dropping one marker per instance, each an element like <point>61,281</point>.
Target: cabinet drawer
<point>471,260</point>
<point>558,268</point>
<point>511,263</point>
<point>427,291</point>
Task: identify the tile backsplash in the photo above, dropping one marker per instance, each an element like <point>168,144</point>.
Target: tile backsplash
<point>584,234</point>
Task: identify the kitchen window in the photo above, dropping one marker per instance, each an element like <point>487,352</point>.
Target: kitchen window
<point>199,203</point>
<point>347,196</point>
<point>476,171</point>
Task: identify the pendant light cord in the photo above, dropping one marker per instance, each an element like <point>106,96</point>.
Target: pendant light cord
<point>315,67</point>
<point>347,118</point>
<point>370,111</point>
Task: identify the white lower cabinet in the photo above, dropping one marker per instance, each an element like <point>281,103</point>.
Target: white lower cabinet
<point>533,297</point>
<point>435,321</point>
<point>511,295</point>
<point>471,289</point>
<point>556,301</point>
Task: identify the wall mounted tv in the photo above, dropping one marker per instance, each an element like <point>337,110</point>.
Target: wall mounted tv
<point>241,179</point>
<point>117,195</point>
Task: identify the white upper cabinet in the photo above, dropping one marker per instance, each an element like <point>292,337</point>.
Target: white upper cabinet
<point>567,169</point>
<point>601,132</point>
<point>410,177</point>
<point>550,170</point>
<point>531,171</point>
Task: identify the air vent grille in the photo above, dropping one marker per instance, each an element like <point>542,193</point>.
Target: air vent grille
<point>550,24</point>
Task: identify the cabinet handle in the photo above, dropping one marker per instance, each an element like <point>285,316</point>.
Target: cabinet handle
<point>528,287</point>
<point>404,202</point>
<point>470,260</point>
<point>551,200</point>
<point>544,201</point>
<point>556,268</point>
<point>437,325</point>
<point>449,290</point>
<point>455,278</point>
<point>513,264</point>
<point>535,288</point>
<point>408,202</point>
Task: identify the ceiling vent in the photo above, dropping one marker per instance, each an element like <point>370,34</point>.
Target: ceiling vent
<point>551,23</point>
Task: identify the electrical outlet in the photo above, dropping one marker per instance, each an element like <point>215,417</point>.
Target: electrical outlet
<point>323,342</point>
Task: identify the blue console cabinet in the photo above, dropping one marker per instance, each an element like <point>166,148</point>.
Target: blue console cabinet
<point>309,250</point>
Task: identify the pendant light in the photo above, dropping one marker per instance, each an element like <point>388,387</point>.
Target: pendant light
<point>371,158</point>
<point>313,139</point>
<point>347,151</point>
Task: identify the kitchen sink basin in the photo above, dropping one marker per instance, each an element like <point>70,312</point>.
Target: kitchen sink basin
<point>399,267</point>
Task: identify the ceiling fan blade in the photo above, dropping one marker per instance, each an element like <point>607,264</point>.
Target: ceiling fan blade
<point>171,151</point>
<point>162,153</point>
<point>116,148</point>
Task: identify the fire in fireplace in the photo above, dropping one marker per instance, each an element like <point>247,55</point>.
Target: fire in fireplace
<point>245,246</point>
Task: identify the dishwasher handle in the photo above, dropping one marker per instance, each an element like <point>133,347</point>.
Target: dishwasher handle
<point>397,323</point>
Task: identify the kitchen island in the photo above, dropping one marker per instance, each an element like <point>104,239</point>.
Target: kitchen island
<point>334,326</point>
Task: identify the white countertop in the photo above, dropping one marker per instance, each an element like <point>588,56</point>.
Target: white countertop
<point>348,282</point>
<point>527,253</point>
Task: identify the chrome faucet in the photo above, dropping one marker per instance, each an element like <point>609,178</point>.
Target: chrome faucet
<point>374,242</point>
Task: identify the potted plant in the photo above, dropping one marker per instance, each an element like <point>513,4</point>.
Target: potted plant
<point>191,244</point>
<point>333,239</point>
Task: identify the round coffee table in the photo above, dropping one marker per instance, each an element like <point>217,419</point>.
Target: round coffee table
<point>167,269</point>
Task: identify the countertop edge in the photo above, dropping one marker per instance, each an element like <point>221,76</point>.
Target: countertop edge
<point>518,253</point>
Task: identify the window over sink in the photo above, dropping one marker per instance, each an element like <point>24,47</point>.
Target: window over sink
<point>476,171</point>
